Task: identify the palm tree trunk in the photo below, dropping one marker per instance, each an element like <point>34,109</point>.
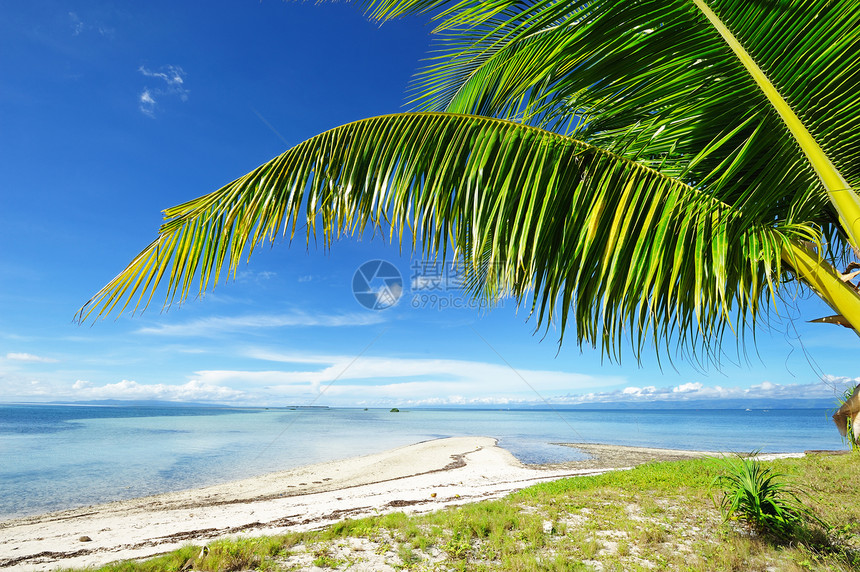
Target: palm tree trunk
<point>825,281</point>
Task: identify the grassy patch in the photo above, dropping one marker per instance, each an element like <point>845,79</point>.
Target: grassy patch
<point>656,516</point>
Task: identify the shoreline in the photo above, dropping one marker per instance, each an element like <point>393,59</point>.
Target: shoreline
<point>421,477</point>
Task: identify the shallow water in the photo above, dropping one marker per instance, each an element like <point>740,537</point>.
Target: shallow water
<point>57,457</point>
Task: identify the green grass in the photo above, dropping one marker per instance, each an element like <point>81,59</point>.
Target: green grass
<point>657,516</point>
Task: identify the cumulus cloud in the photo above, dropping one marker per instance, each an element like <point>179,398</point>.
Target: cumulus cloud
<point>828,388</point>
<point>687,387</point>
<point>16,356</point>
<point>838,381</point>
<point>192,391</point>
<point>170,82</point>
<point>219,324</point>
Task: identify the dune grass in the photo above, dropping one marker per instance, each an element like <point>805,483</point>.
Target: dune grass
<point>656,516</point>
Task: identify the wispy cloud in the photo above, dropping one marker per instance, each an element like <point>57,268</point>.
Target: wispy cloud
<point>256,276</point>
<point>125,389</point>
<point>346,380</point>
<point>16,386</point>
<point>79,26</point>
<point>147,103</point>
<point>173,76</point>
<point>292,357</point>
<point>219,324</point>
<point>15,356</point>
<point>377,380</point>
<point>170,83</point>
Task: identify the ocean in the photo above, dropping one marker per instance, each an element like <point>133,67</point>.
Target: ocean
<point>57,457</point>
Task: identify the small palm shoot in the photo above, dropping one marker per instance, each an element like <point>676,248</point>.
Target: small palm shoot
<point>755,495</point>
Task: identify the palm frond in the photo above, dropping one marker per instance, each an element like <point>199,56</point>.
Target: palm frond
<point>654,81</point>
<point>583,234</point>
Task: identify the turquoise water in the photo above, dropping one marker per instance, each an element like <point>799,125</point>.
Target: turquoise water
<point>57,457</point>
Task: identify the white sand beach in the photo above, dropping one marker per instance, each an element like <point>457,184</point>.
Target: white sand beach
<point>417,478</point>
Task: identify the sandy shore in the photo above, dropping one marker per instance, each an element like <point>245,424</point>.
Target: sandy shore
<point>416,478</point>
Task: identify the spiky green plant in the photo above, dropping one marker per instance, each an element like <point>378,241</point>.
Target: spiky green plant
<point>754,494</point>
<point>647,170</point>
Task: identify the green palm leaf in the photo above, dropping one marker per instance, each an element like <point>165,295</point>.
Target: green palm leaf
<point>649,187</point>
<point>579,231</point>
<point>655,81</point>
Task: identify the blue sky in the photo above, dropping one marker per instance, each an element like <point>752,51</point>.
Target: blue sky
<point>111,113</point>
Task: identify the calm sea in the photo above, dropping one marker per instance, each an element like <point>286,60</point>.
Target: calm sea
<point>56,457</point>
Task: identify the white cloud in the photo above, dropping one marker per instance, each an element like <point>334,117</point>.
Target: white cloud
<point>377,380</point>
<point>79,27</point>
<point>387,296</point>
<point>125,389</point>
<point>828,388</point>
<point>637,391</point>
<point>839,380</point>
<point>688,387</point>
<point>247,275</point>
<point>173,78</point>
<point>219,324</point>
<point>267,355</point>
<point>15,386</point>
<point>147,103</point>
<point>350,380</point>
<point>15,356</point>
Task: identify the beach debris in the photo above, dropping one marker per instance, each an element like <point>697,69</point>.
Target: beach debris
<point>432,495</point>
<point>85,539</point>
